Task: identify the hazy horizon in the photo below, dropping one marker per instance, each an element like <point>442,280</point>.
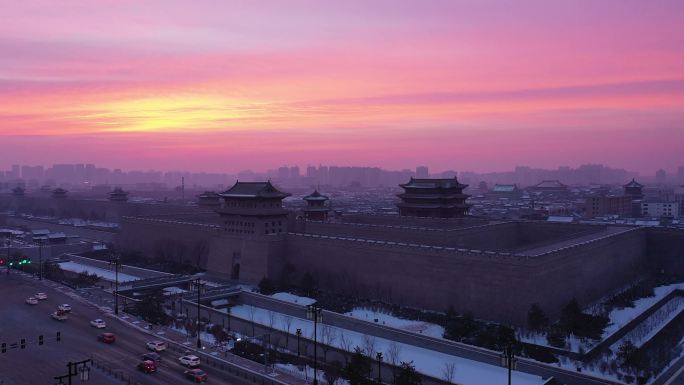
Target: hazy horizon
<point>225,86</point>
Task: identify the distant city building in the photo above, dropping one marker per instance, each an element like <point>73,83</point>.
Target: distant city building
<point>422,172</point>
<point>506,191</point>
<point>118,195</point>
<point>660,209</point>
<point>437,198</point>
<point>661,176</point>
<point>316,209</point>
<point>601,205</point>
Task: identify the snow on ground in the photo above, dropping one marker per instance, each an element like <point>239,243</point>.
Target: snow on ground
<point>174,290</point>
<point>618,319</point>
<point>308,373</point>
<point>387,319</point>
<point>287,297</point>
<point>107,275</point>
<point>427,361</point>
<point>649,327</point>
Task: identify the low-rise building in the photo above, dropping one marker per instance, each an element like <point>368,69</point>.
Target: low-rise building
<point>659,209</point>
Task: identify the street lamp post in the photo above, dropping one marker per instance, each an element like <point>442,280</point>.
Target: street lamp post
<point>80,368</point>
<point>198,286</point>
<point>9,244</point>
<point>40,260</point>
<point>299,334</point>
<point>379,357</point>
<point>313,312</point>
<point>117,264</point>
<point>508,360</point>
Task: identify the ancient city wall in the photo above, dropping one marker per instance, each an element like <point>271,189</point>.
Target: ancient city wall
<point>496,286</point>
<point>666,250</point>
<point>502,236</point>
<point>83,232</point>
<point>176,240</point>
<point>396,220</point>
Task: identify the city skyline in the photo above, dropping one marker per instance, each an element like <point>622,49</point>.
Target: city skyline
<point>454,85</point>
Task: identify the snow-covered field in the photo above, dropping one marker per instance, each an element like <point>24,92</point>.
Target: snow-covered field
<point>429,362</point>
<point>108,275</point>
<point>387,319</point>
<point>653,324</point>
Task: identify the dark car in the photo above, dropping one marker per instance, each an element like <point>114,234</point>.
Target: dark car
<point>147,366</point>
<point>197,375</point>
<point>151,356</point>
<point>107,338</point>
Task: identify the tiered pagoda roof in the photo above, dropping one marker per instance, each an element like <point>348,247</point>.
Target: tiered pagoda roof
<point>209,198</point>
<point>442,198</point>
<point>254,190</point>
<point>634,184</point>
<point>118,195</point>
<point>59,193</point>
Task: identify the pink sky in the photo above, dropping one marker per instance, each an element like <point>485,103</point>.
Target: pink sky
<point>226,85</point>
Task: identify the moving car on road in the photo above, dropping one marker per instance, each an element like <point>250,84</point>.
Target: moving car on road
<point>98,323</point>
<point>148,366</point>
<point>197,375</point>
<point>64,307</point>
<point>31,301</point>
<point>151,356</point>
<point>190,361</point>
<point>59,315</point>
<point>107,338</point>
<point>41,296</point>
<point>156,346</point>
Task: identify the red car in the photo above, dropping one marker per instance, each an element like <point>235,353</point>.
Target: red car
<point>148,366</point>
<point>197,375</point>
<point>107,338</point>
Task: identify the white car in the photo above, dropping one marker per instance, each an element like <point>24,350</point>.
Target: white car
<point>190,361</point>
<point>31,301</point>
<point>64,307</point>
<point>156,346</point>
<point>98,323</point>
<point>41,296</point>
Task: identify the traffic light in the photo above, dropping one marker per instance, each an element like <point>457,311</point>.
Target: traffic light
<point>23,343</point>
<point>3,347</point>
<point>2,262</point>
<point>59,336</point>
<point>40,340</point>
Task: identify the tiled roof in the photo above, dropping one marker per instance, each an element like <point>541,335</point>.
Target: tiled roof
<point>254,190</point>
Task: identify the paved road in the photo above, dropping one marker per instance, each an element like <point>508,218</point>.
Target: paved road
<point>39,364</point>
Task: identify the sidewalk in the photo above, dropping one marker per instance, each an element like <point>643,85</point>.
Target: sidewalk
<point>104,302</point>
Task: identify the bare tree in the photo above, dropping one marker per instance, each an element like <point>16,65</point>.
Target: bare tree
<point>346,345</point>
<point>286,321</point>
<point>369,345</point>
<point>251,312</point>
<point>393,353</point>
<point>449,372</point>
<point>328,337</point>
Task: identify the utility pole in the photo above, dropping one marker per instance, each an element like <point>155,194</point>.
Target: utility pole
<point>314,312</point>
<point>299,334</point>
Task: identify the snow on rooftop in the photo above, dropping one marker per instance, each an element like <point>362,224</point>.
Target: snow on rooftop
<point>107,275</point>
<point>288,297</point>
